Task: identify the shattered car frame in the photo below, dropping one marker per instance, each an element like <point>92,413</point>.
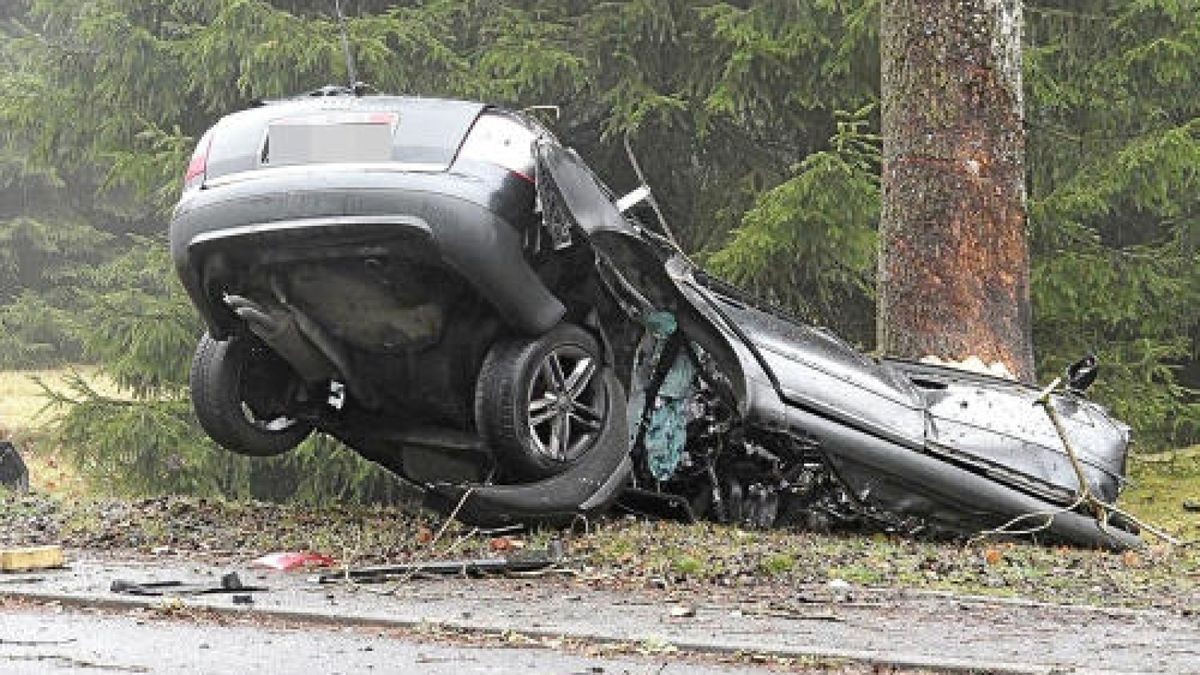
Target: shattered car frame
<point>453,293</point>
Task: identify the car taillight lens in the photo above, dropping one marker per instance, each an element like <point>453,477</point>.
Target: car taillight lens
<point>199,163</point>
<point>497,139</point>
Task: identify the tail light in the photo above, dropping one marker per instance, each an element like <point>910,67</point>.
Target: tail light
<point>199,163</point>
<point>500,140</point>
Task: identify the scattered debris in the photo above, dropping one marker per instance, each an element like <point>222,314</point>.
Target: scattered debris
<point>36,643</point>
<point>1191,505</point>
<point>683,611</point>
<point>526,561</point>
<point>13,473</point>
<point>13,581</point>
<point>31,558</point>
<point>289,560</point>
<point>230,583</point>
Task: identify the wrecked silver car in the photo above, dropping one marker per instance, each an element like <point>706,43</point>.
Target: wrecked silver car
<point>451,292</point>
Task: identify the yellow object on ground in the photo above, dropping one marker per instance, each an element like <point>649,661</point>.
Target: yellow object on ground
<point>34,558</point>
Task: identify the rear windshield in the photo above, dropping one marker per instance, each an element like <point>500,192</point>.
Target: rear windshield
<point>425,132</point>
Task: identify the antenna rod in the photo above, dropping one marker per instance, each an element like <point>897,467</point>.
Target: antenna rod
<point>351,70</point>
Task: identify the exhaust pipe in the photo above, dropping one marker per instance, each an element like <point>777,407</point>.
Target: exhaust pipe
<point>277,327</point>
<point>303,344</point>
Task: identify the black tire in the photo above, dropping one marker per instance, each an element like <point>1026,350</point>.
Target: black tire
<point>224,377</point>
<point>542,403</point>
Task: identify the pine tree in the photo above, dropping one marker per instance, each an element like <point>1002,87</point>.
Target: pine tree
<point>736,109</point>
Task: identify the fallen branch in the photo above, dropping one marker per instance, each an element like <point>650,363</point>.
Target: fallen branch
<point>348,577</point>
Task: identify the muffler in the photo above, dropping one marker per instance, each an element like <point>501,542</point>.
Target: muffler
<point>278,328</point>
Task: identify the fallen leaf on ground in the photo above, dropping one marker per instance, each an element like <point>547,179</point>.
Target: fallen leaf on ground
<point>993,556</point>
<point>500,544</point>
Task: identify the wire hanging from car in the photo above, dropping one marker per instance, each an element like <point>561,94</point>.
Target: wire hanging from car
<point>351,69</point>
<point>637,169</point>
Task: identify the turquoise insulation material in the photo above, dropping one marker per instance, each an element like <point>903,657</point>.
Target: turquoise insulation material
<point>666,433</point>
<point>666,426</point>
<point>659,327</point>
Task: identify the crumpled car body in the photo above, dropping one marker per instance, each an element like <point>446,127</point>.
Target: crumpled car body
<point>454,294</point>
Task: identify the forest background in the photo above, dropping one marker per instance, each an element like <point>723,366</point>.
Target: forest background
<point>756,121</point>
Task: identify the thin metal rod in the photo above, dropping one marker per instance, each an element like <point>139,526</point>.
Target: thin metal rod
<point>350,68</point>
<point>637,169</point>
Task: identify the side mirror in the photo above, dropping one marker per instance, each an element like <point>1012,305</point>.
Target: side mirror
<point>1082,373</point>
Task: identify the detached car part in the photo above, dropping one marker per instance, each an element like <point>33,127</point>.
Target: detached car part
<point>13,473</point>
<point>451,292</point>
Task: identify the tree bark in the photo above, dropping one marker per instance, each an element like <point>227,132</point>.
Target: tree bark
<point>954,260</point>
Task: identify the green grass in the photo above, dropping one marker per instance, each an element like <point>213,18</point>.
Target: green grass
<point>1162,485</point>
<point>24,418</point>
<point>23,402</point>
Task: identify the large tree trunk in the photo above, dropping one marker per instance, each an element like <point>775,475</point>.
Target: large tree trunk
<point>954,261</point>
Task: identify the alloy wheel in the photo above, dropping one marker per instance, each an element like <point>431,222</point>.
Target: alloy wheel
<point>566,405</point>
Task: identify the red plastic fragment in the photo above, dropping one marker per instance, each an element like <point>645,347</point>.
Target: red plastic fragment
<point>290,560</point>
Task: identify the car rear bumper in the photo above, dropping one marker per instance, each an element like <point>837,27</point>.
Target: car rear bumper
<point>471,224</point>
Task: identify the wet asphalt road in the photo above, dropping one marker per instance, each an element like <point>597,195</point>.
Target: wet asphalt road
<point>39,641</point>
<point>859,625</point>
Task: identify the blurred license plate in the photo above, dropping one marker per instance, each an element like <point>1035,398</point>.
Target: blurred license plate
<point>334,137</point>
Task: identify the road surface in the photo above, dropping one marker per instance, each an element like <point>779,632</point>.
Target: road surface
<point>867,627</point>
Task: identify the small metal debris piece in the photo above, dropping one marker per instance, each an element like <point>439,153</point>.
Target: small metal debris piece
<point>683,611</point>
<point>525,561</point>
<point>13,473</point>
<point>31,558</point>
<point>1191,505</point>
<point>21,580</point>
<point>663,505</point>
<point>230,583</point>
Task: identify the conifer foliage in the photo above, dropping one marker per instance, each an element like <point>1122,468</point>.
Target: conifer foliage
<point>757,121</point>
